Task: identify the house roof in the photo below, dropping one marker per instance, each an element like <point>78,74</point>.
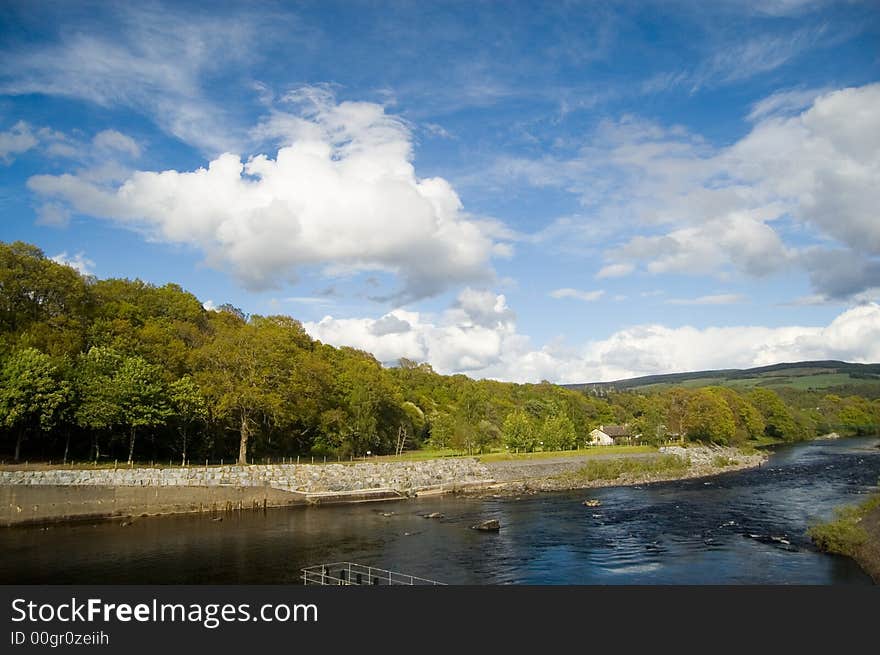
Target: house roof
<point>616,430</point>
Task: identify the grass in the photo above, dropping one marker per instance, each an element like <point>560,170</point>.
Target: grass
<point>720,461</point>
<point>418,455</point>
<point>614,469</point>
<point>588,452</point>
<point>844,535</point>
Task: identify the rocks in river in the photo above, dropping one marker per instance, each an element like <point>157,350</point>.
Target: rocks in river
<point>592,502</point>
<point>492,525</point>
<point>433,515</point>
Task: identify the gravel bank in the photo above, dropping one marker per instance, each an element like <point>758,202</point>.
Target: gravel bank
<point>524,477</point>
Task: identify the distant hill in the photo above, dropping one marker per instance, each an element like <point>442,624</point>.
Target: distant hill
<point>822,375</point>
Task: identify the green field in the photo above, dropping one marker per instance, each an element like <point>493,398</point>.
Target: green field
<point>815,381</point>
<point>839,377</point>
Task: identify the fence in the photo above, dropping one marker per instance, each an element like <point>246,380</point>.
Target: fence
<point>350,573</point>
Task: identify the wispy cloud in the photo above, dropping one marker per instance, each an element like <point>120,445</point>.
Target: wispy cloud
<point>718,299</point>
<point>577,294</point>
<point>151,59</point>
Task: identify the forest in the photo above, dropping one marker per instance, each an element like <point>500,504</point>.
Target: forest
<point>111,370</point>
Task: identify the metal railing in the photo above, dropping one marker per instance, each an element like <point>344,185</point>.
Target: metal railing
<point>350,573</point>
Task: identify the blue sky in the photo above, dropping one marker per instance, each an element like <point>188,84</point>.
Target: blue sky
<point>565,191</point>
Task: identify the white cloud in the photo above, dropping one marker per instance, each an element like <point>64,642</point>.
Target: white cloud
<point>454,343</point>
<point>308,300</point>
<point>586,296</point>
<point>152,59</point>
<point>699,209</point>
<point>114,141</point>
<point>16,140</point>
<point>783,103</point>
<point>342,194</point>
<point>615,270</point>
<point>79,262</point>
<point>716,299</point>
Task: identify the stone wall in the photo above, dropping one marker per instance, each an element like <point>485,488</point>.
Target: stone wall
<point>304,478</point>
<point>77,494</point>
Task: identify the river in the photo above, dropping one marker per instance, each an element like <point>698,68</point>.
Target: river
<point>730,529</point>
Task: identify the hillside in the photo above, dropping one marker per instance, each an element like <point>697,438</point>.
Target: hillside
<point>831,376</point>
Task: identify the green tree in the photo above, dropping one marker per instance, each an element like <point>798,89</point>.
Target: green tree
<point>98,410</point>
<point>31,394</point>
<point>518,432</point>
<point>141,397</point>
<point>442,426</point>
<point>708,418</point>
<point>245,368</point>
<point>557,432</point>
<point>778,420</point>
<point>189,407</point>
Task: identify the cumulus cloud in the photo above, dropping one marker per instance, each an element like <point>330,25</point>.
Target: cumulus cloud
<point>491,347</point>
<point>586,296</point>
<point>16,140</point>
<point>342,193</point>
<point>470,336</point>
<point>79,262</point>
<point>452,343</point>
<point>700,209</point>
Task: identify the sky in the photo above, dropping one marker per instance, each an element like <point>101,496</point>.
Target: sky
<point>524,191</point>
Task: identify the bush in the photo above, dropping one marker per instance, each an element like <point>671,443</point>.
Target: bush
<point>844,535</point>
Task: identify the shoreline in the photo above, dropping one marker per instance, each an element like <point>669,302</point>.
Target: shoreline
<point>32,504</point>
<point>854,533</point>
<point>701,466</point>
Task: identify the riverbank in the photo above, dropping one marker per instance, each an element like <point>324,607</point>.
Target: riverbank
<point>667,464</point>
<point>855,533</point>
<point>59,495</point>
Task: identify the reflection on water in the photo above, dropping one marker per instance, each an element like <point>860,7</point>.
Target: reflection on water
<point>744,527</point>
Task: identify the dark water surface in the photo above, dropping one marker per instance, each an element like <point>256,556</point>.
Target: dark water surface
<point>727,530</point>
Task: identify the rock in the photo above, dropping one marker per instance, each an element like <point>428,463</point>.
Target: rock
<point>433,515</point>
<point>592,502</point>
<point>492,525</point>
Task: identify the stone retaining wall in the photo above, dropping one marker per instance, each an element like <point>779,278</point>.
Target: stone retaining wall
<point>305,478</point>
<point>72,494</point>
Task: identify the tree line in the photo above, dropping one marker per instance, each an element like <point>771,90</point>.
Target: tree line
<point>120,369</point>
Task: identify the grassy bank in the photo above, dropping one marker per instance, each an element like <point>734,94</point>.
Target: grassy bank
<point>615,469</point>
<point>855,533</point>
<point>552,454</point>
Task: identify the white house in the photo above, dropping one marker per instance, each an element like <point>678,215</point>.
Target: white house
<point>599,438</point>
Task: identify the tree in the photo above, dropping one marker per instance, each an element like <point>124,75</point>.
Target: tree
<point>442,427</point>
<point>245,367</point>
<point>188,406</point>
<point>557,432</point>
<point>778,420</point>
<point>141,397</point>
<point>31,394</point>
<point>707,417</point>
<point>518,432</point>
<point>749,424</point>
<point>98,408</point>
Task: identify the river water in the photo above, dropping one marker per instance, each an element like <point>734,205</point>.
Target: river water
<point>731,529</point>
